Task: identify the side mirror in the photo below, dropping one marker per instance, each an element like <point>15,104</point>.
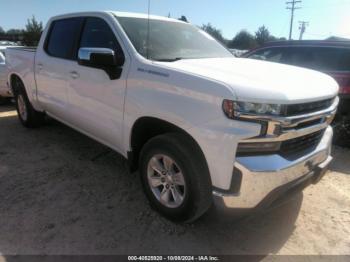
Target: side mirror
<point>102,58</point>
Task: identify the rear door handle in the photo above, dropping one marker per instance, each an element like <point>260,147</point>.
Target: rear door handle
<point>40,66</point>
<point>74,74</point>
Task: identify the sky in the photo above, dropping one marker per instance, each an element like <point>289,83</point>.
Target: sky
<point>326,17</point>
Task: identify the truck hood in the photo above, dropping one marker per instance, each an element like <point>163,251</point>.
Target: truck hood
<point>260,81</point>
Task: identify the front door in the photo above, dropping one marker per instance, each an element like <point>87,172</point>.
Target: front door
<point>96,103</point>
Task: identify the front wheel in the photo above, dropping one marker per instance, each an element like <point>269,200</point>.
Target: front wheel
<point>175,177</point>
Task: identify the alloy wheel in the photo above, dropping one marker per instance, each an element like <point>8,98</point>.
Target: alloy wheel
<point>166,181</point>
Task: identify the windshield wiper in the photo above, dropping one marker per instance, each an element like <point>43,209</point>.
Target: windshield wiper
<point>169,59</point>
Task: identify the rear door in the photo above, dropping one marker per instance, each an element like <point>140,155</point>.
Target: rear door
<point>96,102</point>
<point>53,63</point>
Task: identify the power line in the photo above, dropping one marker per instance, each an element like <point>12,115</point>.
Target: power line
<point>328,5</point>
<point>302,27</point>
<point>292,5</point>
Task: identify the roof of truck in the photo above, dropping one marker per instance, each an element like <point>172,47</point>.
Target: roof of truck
<point>119,14</point>
<point>141,15</point>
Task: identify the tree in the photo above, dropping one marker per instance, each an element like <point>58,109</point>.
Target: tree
<point>214,32</point>
<point>32,32</point>
<point>262,35</point>
<point>14,32</point>
<point>243,40</point>
<point>14,35</point>
<point>2,31</point>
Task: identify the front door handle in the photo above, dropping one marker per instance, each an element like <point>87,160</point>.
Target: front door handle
<point>74,74</point>
<point>40,66</point>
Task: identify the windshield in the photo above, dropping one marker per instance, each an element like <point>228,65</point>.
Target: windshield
<point>171,41</point>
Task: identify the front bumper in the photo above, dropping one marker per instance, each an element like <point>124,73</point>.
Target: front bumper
<point>263,175</point>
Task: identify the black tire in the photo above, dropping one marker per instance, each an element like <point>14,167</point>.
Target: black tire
<point>33,118</point>
<point>190,160</point>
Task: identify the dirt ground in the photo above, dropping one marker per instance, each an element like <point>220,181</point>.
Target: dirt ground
<point>62,193</point>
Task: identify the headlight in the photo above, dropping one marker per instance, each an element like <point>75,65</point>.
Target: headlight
<point>233,109</point>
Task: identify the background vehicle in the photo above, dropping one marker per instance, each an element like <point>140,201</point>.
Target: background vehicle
<point>238,52</point>
<point>7,43</point>
<point>330,57</point>
<point>201,125</point>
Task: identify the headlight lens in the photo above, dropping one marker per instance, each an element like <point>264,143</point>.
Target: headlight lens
<point>233,109</point>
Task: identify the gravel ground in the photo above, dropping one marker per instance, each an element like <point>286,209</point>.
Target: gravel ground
<point>62,193</point>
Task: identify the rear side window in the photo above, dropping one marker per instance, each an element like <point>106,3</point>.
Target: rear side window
<point>63,38</point>
<point>97,33</point>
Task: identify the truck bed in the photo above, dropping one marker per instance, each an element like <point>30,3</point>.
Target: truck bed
<point>24,48</point>
<point>20,61</point>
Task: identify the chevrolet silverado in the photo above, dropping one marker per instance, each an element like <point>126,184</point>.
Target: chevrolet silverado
<point>201,126</point>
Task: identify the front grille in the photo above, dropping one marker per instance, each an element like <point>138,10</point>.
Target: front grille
<point>299,109</point>
<point>294,146</point>
<point>305,124</point>
<point>289,149</point>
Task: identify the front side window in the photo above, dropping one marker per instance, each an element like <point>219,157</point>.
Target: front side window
<point>168,40</point>
<point>97,33</point>
<point>63,37</point>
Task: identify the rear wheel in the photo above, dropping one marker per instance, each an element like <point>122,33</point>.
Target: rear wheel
<point>27,115</point>
<point>175,177</point>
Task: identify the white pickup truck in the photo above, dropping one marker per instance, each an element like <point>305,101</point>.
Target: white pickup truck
<point>201,126</point>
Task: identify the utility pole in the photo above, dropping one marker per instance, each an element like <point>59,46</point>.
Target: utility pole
<point>292,6</point>
<point>302,27</point>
